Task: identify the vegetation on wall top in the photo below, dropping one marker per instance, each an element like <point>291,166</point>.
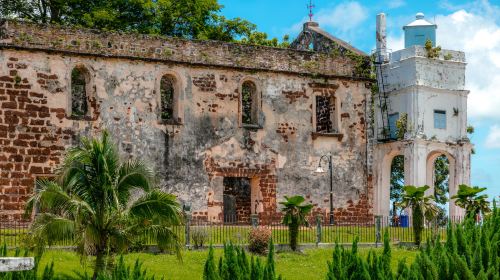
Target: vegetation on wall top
<point>432,52</point>
<point>191,19</point>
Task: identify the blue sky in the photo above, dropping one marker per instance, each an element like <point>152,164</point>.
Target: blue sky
<point>470,26</point>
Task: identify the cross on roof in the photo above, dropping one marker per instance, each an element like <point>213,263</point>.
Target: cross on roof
<point>310,7</point>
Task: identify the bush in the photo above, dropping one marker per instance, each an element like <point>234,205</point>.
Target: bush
<point>471,251</point>
<point>258,240</point>
<point>235,265</point>
<point>199,237</point>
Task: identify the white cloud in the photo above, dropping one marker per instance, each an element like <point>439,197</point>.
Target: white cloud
<point>478,6</point>
<point>395,43</point>
<point>343,19</point>
<point>493,138</point>
<point>474,30</point>
<point>395,4</point>
<point>477,34</point>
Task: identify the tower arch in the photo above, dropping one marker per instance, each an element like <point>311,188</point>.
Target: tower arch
<point>431,159</point>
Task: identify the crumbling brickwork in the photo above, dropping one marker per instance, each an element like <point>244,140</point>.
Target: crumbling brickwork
<point>207,141</point>
<point>31,141</point>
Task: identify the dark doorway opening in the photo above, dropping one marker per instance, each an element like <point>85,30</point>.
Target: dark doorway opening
<point>237,200</point>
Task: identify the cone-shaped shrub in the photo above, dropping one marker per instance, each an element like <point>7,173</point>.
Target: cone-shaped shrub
<point>210,270</point>
<point>471,251</point>
<point>235,265</point>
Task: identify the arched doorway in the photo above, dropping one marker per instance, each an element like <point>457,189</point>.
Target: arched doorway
<point>441,188</point>
<point>397,182</point>
<point>441,179</point>
<point>388,175</point>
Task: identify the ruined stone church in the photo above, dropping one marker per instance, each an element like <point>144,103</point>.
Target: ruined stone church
<point>229,128</point>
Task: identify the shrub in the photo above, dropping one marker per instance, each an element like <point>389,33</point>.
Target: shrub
<point>258,240</point>
<point>294,216</point>
<point>235,265</point>
<point>471,251</point>
<point>199,237</point>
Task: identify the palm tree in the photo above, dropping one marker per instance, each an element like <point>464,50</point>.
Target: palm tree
<point>295,216</point>
<point>422,207</point>
<point>92,202</point>
<point>469,199</point>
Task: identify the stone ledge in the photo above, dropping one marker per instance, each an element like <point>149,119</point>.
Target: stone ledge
<point>16,264</point>
<point>315,135</point>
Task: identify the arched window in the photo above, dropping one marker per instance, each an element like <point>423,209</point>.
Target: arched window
<point>249,103</point>
<point>167,98</point>
<point>79,95</point>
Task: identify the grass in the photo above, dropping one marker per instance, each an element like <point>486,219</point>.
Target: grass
<point>311,264</point>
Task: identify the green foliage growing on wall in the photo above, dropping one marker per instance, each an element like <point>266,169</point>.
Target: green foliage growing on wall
<point>470,129</point>
<point>432,52</point>
<point>362,64</point>
<point>402,126</point>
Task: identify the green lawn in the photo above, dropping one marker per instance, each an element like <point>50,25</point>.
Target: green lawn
<point>308,265</point>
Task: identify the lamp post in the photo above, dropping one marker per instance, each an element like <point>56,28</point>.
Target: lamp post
<point>321,170</point>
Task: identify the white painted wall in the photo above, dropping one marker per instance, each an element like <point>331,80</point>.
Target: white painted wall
<point>418,85</point>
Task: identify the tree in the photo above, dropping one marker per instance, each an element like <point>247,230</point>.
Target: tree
<point>397,182</point>
<point>441,187</point>
<point>422,207</point>
<point>191,19</point>
<point>295,216</point>
<point>92,202</point>
<point>210,269</point>
<point>441,176</point>
<point>42,11</point>
<point>469,199</point>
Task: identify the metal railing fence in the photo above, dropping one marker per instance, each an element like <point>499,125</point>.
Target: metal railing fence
<point>194,232</point>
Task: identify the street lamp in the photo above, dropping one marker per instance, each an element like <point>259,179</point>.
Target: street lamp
<point>321,170</point>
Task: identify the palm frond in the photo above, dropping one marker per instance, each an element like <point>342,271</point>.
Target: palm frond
<point>133,175</point>
<point>90,203</point>
<point>159,205</point>
<point>52,228</point>
<point>165,237</point>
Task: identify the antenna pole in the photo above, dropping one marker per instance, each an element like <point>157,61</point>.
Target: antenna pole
<point>310,7</point>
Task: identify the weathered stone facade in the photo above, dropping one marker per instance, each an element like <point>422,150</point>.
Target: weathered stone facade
<point>204,140</point>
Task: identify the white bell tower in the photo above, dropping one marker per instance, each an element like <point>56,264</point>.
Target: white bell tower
<point>428,89</point>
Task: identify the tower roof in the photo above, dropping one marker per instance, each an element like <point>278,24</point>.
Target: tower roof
<point>419,21</point>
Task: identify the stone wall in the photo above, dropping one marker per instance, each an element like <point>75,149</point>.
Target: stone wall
<point>208,141</point>
<point>32,143</point>
<point>187,52</point>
